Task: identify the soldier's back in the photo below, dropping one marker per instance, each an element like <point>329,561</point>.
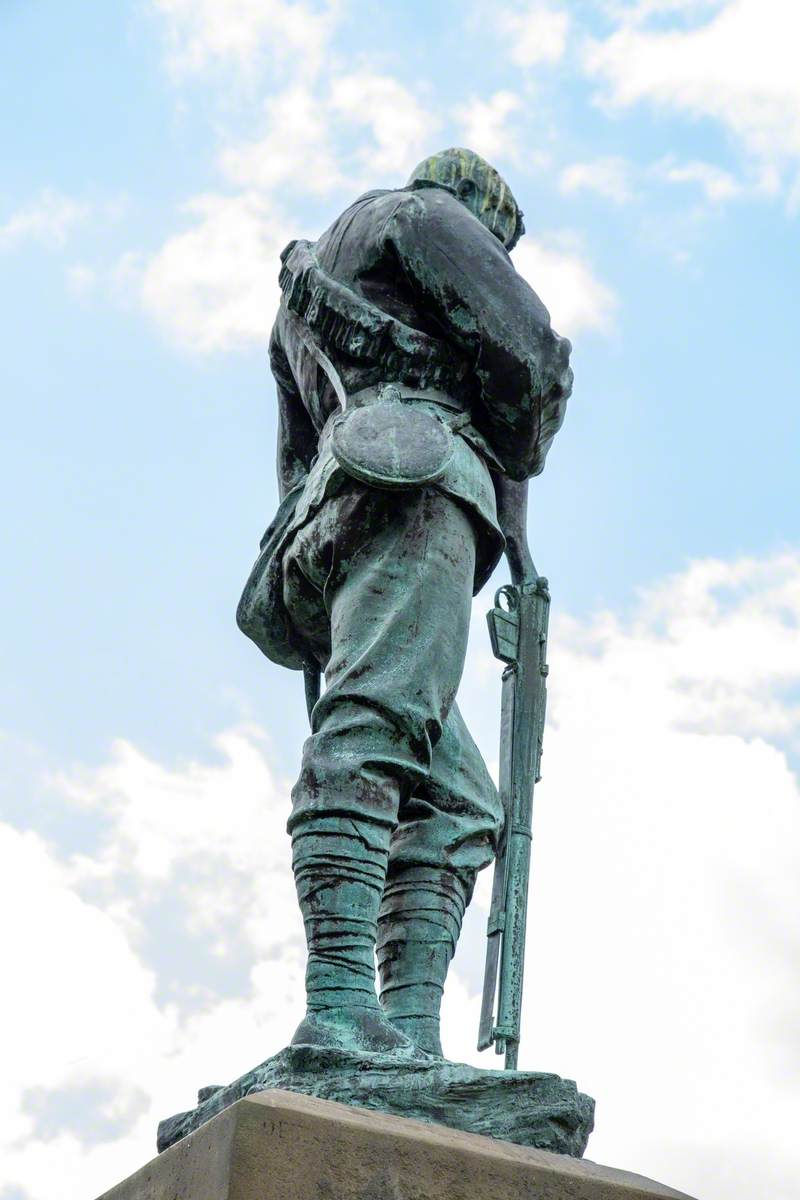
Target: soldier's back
<point>358,251</point>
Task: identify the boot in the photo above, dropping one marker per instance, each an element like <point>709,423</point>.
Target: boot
<point>339,878</point>
<point>418,928</point>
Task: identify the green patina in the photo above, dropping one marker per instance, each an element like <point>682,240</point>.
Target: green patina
<point>406,316</point>
<point>531,1108</point>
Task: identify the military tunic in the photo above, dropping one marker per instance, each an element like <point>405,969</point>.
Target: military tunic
<point>377,586</point>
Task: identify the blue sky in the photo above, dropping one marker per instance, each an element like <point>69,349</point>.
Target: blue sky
<point>157,156</point>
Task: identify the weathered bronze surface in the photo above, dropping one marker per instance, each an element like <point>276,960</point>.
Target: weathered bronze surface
<point>529,1108</point>
<point>420,385</point>
<point>518,629</point>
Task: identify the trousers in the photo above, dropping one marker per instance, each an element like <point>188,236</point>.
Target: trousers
<point>379,586</point>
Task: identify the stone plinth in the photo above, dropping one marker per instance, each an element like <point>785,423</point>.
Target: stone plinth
<point>284,1146</point>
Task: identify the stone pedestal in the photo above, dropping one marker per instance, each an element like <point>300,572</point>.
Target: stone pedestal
<point>283,1146</point>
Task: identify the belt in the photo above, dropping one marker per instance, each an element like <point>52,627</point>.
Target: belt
<point>399,392</point>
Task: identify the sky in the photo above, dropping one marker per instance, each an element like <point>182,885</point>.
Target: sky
<point>157,156</point>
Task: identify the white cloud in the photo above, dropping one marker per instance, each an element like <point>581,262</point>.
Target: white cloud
<point>215,286</point>
<point>576,299</point>
<point>612,177</point>
<point>239,32</point>
<point>348,133</point>
<point>47,220</point>
<point>92,1036</point>
<point>535,33</point>
<point>84,1008</point>
<point>662,942</point>
<point>164,820</point>
<point>81,279</point>
<point>608,177</point>
<point>485,125</point>
<point>739,67</point>
<point>716,183</point>
<point>298,149</point>
<point>636,12</point>
<point>399,127</point>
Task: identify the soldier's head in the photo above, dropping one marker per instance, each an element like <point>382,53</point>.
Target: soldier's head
<point>477,185</point>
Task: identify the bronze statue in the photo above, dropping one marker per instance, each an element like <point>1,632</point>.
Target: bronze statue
<point>420,385</point>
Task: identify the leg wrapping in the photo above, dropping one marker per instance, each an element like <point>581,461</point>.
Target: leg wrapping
<point>339,879</point>
<point>419,926</point>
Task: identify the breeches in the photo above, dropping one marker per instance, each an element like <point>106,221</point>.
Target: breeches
<point>379,585</point>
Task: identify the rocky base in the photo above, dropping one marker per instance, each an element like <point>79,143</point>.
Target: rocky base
<point>526,1107</point>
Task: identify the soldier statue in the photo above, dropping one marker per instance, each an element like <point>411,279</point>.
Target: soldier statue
<point>419,385</point>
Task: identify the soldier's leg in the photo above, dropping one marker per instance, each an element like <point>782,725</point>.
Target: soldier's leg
<point>395,572</point>
<point>448,831</point>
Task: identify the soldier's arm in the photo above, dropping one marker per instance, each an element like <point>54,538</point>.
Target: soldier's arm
<point>297,440</point>
<point>465,279</point>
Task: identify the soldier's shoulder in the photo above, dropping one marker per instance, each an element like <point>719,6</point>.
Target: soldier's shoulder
<point>437,207</point>
<point>421,206</point>
<point>429,197</point>
<point>376,198</point>
<point>391,199</point>
<point>366,216</point>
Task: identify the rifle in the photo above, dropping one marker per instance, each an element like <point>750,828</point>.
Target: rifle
<point>518,632</point>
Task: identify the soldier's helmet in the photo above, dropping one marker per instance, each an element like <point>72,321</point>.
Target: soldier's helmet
<point>478,185</point>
